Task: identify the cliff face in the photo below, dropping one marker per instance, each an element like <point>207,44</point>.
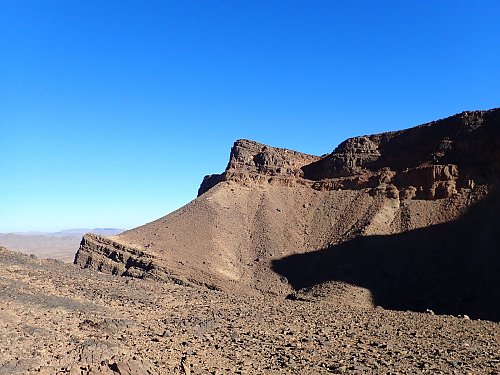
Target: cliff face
<point>431,161</point>
<point>252,162</point>
<point>106,255</point>
<point>273,204</point>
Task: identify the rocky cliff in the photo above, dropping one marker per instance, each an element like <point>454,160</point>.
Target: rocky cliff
<point>265,223</point>
<point>252,162</point>
<point>428,161</point>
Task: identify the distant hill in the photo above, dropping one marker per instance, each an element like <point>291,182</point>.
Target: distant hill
<point>60,245</point>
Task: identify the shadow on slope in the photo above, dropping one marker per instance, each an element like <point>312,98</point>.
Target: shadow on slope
<point>451,268</point>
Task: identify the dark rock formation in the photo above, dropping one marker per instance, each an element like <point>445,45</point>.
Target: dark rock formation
<point>430,161</point>
<point>108,256</point>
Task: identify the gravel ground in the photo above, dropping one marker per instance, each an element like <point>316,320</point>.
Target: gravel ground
<point>58,319</point>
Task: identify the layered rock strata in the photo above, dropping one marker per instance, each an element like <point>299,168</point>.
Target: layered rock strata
<point>252,162</point>
<point>430,161</point>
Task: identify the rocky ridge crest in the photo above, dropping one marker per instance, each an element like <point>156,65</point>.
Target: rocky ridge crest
<point>253,162</point>
<point>430,161</point>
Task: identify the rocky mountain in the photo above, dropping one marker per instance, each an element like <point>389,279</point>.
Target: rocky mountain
<point>405,220</point>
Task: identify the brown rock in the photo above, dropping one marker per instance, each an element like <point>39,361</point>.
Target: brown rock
<point>388,219</point>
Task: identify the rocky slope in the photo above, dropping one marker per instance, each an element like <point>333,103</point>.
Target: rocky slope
<point>56,318</point>
<point>404,220</point>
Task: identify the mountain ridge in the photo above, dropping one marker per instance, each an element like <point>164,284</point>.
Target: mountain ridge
<point>271,204</point>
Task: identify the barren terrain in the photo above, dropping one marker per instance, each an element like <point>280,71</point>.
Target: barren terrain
<point>381,257</point>
<point>57,245</point>
<point>58,319</point>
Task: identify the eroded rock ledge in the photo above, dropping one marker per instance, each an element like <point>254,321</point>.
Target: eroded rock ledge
<point>251,161</point>
<point>106,255</point>
<point>109,256</point>
<point>430,161</point>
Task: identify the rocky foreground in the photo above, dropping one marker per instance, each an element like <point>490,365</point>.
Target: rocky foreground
<point>58,319</point>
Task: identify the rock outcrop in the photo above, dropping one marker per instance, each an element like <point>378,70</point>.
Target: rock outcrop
<point>434,159</point>
<point>431,161</point>
<point>108,256</point>
<point>253,162</point>
<point>273,204</point>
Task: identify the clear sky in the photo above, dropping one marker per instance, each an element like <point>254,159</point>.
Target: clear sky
<point>111,112</point>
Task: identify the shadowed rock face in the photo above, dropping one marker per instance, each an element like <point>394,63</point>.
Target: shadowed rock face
<point>429,161</point>
<point>405,215</point>
<point>469,139</point>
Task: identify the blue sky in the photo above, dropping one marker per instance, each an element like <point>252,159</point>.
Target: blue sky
<point>111,112</point>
